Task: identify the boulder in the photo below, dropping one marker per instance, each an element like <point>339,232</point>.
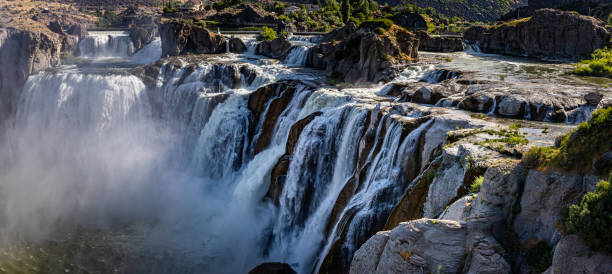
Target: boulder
<point>593,98</point>
<point>477,102</point>
<point>573,256</point>
<point>513,106</point>
<point>237,45</point>
<point>362,55</point>
<point>240,15</point>
<point>439,43</point>
<point>179,38</point>
<point>548,33</point>
<point>277,48</point>
<point>272,268</point>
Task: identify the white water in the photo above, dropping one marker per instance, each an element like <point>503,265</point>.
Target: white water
<point>297,56</point>
<point>106,44</point>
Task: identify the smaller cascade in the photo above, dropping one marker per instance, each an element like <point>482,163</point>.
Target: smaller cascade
<point>106,44</point>
<point>297,56</point>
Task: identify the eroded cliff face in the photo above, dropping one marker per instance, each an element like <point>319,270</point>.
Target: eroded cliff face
<point>548,33</point>
<point>357,55</point>
<point>489,231</point>
<point>23,52</point>
<point>179,38</point>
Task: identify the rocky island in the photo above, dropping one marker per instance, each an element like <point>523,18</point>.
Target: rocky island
<point>305,137</point>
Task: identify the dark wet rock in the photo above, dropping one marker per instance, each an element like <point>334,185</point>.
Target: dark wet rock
<point>558,116</point>
<point>604,163</point>
<point>277,48</point>
<point>425,95</point>
<point>79,30</point>
<point>179,39</point>
<point>549,33</point>
<point>593,98</point>
<point>361,55</point>
<point>237,45</point>
<point>273,268</point>
<point>477,102</point>
<point>438,43</point>
<point>56,27</point>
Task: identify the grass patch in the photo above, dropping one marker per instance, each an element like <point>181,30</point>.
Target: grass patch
<point>475,186</point>
<point>384,24</point>
<point>599,65</point>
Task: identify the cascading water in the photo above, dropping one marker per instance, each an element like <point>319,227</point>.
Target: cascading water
<point>106,44</point>
<point>182,168</point>
<point>297,56</point>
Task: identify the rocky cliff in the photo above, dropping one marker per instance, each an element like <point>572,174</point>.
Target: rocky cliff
<point>23,52</point>
<point>369,53</point>
<point>548,33</point>
<point>511,223</point>
<point>179,38</point>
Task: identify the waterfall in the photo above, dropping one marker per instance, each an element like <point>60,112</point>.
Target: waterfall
<point>106,44</point>
<point>150,53</point>
<point>297,56</point>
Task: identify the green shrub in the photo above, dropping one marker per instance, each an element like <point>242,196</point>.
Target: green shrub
<point>170,7</point>
<point>539,257</point>
<point>475,187</point>
<point>266,34</point>
<point>379,31</point>
<point>592,218</point>
<point>599,65</point>
<point>610,19</point>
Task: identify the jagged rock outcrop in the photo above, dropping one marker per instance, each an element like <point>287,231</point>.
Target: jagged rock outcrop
<point>549,33</point>
<point>272,268</point>
<point>23,52</point>
<point>573,256</point>
<point>468,245</point>
<point>545,195</point>
<point>360,55</point>
<point>438,43</point>
<point>277,48</point>
<point>179,38</point>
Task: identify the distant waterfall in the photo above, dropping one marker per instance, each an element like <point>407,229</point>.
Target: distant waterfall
<point>106,44</point>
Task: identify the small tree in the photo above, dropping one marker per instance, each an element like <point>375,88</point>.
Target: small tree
<point>592,218</point>
<point>610,19</point>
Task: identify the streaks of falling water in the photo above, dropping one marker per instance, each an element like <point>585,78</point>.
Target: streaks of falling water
<point>106,44</point>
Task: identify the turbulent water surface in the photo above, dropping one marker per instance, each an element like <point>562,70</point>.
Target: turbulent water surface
<point>102,173</point>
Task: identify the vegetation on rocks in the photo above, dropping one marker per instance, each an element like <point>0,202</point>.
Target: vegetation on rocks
<point>578,149</point>
<point>266,34</point>
<point>539,257</point>
<point>592,218</point>
<point>600,64</point>
<point>475,187</point>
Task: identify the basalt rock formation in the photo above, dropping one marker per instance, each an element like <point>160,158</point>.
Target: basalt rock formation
<point>548,33</point>
<point>360,55</point>
<point>179,38</point>
<point>277,48</point>
<point>23,52</point>
<point>438,43</point>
